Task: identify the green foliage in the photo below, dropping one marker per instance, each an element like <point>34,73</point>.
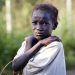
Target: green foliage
<point>2,3</point>
<point>69,45</point>
<point>68,39</point>
<point>9,44</point>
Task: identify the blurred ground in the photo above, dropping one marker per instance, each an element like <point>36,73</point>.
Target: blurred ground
<point>71,72</point>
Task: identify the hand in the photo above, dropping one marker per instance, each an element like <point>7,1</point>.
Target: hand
<point>50,39</point>
<point>17,73</point>
<point>30,42</point>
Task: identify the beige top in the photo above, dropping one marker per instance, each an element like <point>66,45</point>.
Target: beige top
<point>49,60</point>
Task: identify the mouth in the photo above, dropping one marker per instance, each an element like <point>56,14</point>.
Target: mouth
<point>39,33</point>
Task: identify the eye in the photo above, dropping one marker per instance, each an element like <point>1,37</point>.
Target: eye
<point>44,22</point>
<point>34,22</point>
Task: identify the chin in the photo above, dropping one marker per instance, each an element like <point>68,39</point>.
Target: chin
<point>38,37</point>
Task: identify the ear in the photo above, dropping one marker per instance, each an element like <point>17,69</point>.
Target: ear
<point>55,25</point>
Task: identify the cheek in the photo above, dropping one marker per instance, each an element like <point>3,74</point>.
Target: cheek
<point>33,27</point>
<point>49,29</point>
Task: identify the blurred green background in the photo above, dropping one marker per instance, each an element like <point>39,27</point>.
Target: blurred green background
<point>15,25</point>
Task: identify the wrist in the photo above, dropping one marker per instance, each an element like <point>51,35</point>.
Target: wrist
<point>41,43</point>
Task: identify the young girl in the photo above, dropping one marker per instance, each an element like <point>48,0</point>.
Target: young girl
<point>41,53</point>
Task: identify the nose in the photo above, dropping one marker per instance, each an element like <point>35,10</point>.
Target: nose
<point>39,27</point>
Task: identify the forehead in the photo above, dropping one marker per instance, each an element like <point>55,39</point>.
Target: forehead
<point>40,14</point>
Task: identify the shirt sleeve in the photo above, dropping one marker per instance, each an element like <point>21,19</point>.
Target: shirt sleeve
<point>21,50</point>
<point>46,56</point>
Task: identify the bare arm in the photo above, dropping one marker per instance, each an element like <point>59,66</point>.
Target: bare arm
<point>21,61</point>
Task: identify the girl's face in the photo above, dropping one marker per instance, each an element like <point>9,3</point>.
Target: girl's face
<point>42,25</point>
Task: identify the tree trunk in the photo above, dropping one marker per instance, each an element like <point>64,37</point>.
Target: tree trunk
<point>69,15</point>
<point>8,16</point>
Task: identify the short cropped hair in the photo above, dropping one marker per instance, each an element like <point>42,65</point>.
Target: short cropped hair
<point>50,9</point>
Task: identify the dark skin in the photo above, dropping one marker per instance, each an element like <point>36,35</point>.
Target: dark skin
<point>42,27</point>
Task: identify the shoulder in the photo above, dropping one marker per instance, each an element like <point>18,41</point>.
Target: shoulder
<point>23,43</point>
<point>55,44</point>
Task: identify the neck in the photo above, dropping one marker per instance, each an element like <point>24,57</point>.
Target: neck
<point>44,37</point>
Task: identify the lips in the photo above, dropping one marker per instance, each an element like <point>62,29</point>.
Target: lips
<point>39,33</point>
